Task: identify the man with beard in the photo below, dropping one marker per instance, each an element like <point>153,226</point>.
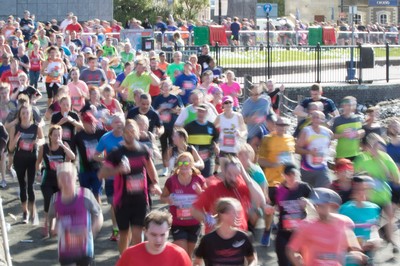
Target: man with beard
<point>235,183</point>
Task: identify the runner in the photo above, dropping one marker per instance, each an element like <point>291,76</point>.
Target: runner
<point>314,242</point>
<point>292,211</point>
<point>78,90</point>
<point>231,127</point>
<point>276,150</point>
<point>344,171</point>
<point>93,75</point>
<point>78,218</point>
<point>36,58</point>
<point>11,76</point>
<point>168,107</point>
<point>51,154</point>
<point>86,141</point>
<point>108,142</point>
<point>68,120</point>
<point>156,250</point>
<point>53,68</point>
<point>24,138</point>
<point>175,68</point>
<point>187,82</point>
<point>231,88</point>
<point>255,111</point>
<point>130,164</point>
<point>348,130</point>
<point>313,145</point>
<point>330,109</point>
<point>226,245</point>
<point>203,135</point>
<point>180,191</point>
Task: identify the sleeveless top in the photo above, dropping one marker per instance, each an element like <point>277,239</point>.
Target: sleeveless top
<point>320,142</point>
<point>27,142</point>
<point>51,160</point>
<point>35,62</point>
<point>228,138</point>
<point>75,239</point>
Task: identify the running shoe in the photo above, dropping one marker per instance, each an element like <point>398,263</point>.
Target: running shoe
<point>25,217</point>
<point>165,172</point>
<point>266,238</point>
<point>3,183</point>
<point>114,235</point>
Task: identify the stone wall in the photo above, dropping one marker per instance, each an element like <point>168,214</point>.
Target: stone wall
<point>367,94</point>
<point>48,9</point>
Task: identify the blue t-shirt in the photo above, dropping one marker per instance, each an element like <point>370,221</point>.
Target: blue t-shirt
<point>364,218</point>
<point>167,103</point>
<point>187,83</point>
<point>120,77</point>
<point>394,152</point>
<point>259,110</point>
<point>4,69</point>
<point>161,26</point>
<point>108,142</point>
<point>329,105</point>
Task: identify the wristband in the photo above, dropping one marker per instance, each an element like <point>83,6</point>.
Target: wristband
<point>209,220</point>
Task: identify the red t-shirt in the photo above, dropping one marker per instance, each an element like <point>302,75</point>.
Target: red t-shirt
<point>71,27</point>
<point>155,90</point>
<point>183,198</point>
<point>138,256</point>
<point>11,79</point>
<point>217,190</point>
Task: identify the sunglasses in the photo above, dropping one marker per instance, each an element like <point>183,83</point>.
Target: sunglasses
<point>227,102</point>
<point>183,163</point>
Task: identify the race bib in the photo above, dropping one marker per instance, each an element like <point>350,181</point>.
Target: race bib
<point>229,141</point>
<point>134,183</point>
<point>26,145</point>
<point>54,165</point>
<point>74,242</point>
<point>66,133</point>
<point>165,117</point>
<point>290,224</point>
<point>183,213</point>
<point>76,101</point>
<point>317,159</point>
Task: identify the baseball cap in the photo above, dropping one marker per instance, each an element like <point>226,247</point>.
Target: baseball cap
<point>87,50</point>
<point>88,117</point>
<point>288,168</point>
<point>202,106</point>
<point>343,165</point>
<point>283,121</point>
<point>325,196</point>
<point>227,99</point>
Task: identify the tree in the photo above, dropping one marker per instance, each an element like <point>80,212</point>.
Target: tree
<point>188,9</point>
<point>124,10</point>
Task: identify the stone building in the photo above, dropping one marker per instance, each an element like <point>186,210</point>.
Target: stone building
<point>48,9</point>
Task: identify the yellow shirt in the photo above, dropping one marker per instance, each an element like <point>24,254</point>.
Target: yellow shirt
<point>276,149</point>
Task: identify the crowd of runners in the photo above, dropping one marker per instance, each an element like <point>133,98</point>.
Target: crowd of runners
<point>228,164</point>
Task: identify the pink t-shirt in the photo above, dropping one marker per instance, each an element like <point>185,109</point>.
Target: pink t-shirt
<point>229,90</point>
<point>321,243</point>
<point>77,101</point>
<point>183,197</point>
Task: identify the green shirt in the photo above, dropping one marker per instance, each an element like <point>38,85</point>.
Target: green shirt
<point>126,57</point>
<point>172,68</point>
<point>133,82</point>
<point>109,50</point>
<point>347,146</point>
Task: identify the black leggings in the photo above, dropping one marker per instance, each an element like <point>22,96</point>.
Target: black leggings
<point>22,165</point>
<point>281,241</point>
<point>48,191</point>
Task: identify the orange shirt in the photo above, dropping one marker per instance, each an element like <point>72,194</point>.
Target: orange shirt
<point>163,66</point>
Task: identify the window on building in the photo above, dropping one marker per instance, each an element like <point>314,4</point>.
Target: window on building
<point>357,19</point>
<point>383,19</point>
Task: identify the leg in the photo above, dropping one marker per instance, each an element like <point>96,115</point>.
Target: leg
<point>136,235</point>
<point>31,193</point>
<point>49,94</point>
<point>183,244</point>
<point>124,239</point>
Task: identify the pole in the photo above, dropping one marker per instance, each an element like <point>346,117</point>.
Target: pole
<point>219,12</point>
<point>4,235</point>
<point>268,50</point>
<point>351,71</point>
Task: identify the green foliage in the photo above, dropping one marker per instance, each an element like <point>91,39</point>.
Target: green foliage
<point>188,9</point>
<point>281,5</point>
<point>125,10</point>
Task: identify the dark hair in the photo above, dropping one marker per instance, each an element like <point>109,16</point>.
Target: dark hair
<point>158,217</point>
<point>145,96</point>
<point>182,133</point>
<point>316,87</point>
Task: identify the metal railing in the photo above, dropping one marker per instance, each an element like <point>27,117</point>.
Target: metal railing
<point>306,64</point>
<point>4,235</point>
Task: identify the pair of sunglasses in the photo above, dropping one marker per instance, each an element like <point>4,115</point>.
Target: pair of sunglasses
<point>183,163</point>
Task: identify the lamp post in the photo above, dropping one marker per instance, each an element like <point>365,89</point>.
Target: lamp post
<point>351,71</point>
<point>219,12</point>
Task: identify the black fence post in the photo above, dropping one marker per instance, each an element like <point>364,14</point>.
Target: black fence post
<point>217,55</point>
<point>387,62</point>
<point>360,64</point>
<point>269,52</point>
<point>318,57</point>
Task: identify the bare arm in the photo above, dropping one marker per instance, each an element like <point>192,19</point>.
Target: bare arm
<point>68,152</point>
<point>39,158</point>
<point>299,111</point>
<point>294,257</point>
<point>155,81</point>
<point>198,162</point>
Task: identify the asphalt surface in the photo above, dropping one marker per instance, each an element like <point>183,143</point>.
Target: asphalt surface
<point>28,247</point>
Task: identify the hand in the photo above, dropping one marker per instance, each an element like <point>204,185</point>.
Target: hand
<point>269,210</point>
<point>17,136</point>
<point>124,166</point>
<point>197,188</point>
<point>63,120</point>
<point>216,150</point>
<point>282,88</point>
<point>155,189</point>
<point>39,176</point>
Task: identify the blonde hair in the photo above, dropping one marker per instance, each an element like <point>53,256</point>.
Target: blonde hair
<point>67,167</point>
<point>142,118</point>
<point>191,159</point>
<point>225,204</point>
<point>246,148</point>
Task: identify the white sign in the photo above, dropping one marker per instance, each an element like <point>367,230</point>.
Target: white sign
<point>224,7</point>
<point>353,10</point>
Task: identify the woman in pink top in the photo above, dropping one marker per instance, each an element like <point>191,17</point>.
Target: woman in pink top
<point>180,191</point>
<point>231,88</point>
<point>78,90</point>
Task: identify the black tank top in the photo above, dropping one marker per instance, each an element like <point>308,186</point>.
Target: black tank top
<point>52,159</point>
<point>27,142</point>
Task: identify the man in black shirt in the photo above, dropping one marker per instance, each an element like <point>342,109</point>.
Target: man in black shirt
<point>204,59</point>
<point>26,25</point>
<point>144,108</point>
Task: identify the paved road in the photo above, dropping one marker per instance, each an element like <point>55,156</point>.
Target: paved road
<point>41,251</point>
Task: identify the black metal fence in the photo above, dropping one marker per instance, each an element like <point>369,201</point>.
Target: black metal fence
<point>308,64</point>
